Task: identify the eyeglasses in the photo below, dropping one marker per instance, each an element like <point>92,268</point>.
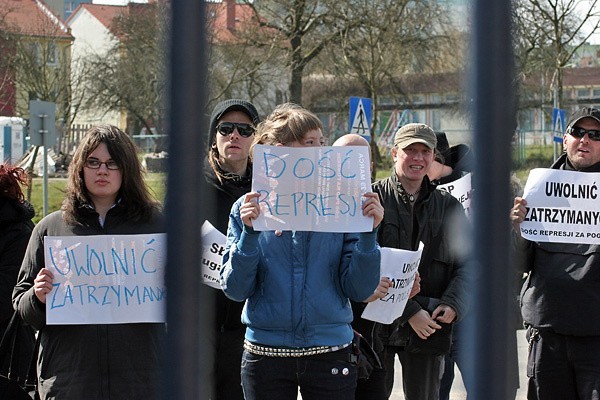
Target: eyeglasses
<point>92,163</point>
<point>227,128</point>
<point>578,133</point>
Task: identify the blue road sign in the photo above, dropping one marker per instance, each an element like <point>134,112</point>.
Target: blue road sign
<point>558,124</point>
<point>361,115</point>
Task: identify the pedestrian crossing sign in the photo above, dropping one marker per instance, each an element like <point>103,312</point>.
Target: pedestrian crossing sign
<point>361,116</point>
<point>558,122</point>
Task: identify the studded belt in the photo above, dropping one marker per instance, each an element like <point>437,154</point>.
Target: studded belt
<point>290,351</point>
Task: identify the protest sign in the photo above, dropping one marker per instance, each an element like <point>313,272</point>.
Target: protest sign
<point>462,190</point>
<point>400,266</point>
<point>562,207</point>
<point>213,247</point>
<point>106,279</point>
<point>311,188</point>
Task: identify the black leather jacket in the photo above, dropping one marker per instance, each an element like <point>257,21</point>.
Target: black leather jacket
<point>437,220</point>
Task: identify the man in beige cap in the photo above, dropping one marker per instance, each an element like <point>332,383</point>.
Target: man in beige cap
<point>416,212</point>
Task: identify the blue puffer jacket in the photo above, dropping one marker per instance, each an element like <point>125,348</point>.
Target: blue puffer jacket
<point>297,285</point>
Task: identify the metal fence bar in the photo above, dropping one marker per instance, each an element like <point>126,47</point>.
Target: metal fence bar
<point>494,123</point>
<point>189,347</point>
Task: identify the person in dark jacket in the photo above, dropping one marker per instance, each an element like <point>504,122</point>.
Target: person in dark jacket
<point>15,230</point>
<point>105,195</point>
<point>228,171</point>
<point>561,296</point>
<point>371,387</point>
<point>414,211</point>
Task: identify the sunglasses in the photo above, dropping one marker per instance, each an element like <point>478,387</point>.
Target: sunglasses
<point>227,128</point>
<point>580,132</point>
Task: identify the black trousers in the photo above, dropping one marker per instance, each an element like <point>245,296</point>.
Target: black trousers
<point>421,373</point>
<point>561,367</point>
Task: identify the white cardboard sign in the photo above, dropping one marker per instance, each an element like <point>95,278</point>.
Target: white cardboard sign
<point>106,279</point>
<point>312,188</point>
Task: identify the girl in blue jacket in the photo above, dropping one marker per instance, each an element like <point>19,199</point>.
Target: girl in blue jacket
<point>297,287</point>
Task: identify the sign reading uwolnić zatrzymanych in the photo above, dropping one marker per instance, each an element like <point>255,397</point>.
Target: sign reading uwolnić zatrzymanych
<point>562,206</point>
<point>106,279</point>
<point>400,266</point>
<point>312,188</point>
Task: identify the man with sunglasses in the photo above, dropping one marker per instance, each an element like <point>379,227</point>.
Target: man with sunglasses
<point>228,172</point>
<point>560,301</point>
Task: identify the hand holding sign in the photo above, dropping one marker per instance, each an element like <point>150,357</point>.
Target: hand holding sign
<point>42,285</point>
<point>399,268</point>
<point>518,213</point>
<point>250,210</point>
<point>372,208</point>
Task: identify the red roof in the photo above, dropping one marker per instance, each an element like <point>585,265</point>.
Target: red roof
<point>33,18</point>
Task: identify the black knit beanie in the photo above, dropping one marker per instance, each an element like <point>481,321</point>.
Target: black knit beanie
<point>232,105</point>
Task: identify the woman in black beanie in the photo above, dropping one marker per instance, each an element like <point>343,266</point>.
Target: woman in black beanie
<point>228,171</point>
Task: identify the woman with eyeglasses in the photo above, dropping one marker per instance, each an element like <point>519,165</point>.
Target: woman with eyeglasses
<point>105,195</point>
<point>297,286</point>
<point>228,172</point>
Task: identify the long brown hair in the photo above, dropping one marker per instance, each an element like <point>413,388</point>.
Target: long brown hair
<point>134,195</point>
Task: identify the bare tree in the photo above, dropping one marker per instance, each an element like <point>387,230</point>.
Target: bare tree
<point>548,33</point>
<point>301,29</point>
<point>131,75</point>
<point>243,60</point>
<point>390,39</point>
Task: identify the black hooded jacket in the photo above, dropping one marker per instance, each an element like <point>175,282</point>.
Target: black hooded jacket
<point>223,194</point>
<point>562,292</point>
<point>15,230</point>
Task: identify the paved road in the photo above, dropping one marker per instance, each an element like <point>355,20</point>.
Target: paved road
<point>458,390</point>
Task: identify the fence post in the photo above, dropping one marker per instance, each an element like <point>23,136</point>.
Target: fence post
<point>190,353</point>
<point>494,123</point>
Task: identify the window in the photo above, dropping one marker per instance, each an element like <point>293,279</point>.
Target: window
<point>35,53</point>
<point>583,93</point>
<point>51,53</point>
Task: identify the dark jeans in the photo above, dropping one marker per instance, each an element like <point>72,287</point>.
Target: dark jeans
<point>421,374</point>
<point>279,377</point>
<point>561,367</point>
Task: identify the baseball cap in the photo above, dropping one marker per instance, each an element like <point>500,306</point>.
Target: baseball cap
<point>415,133</point>
<point>585,112</point>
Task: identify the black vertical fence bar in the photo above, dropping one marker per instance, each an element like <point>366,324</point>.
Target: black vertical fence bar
<point>186,375</point>
<point>493,125</point>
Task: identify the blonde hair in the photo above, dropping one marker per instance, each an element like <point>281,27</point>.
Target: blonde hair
<point>287,123</point>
